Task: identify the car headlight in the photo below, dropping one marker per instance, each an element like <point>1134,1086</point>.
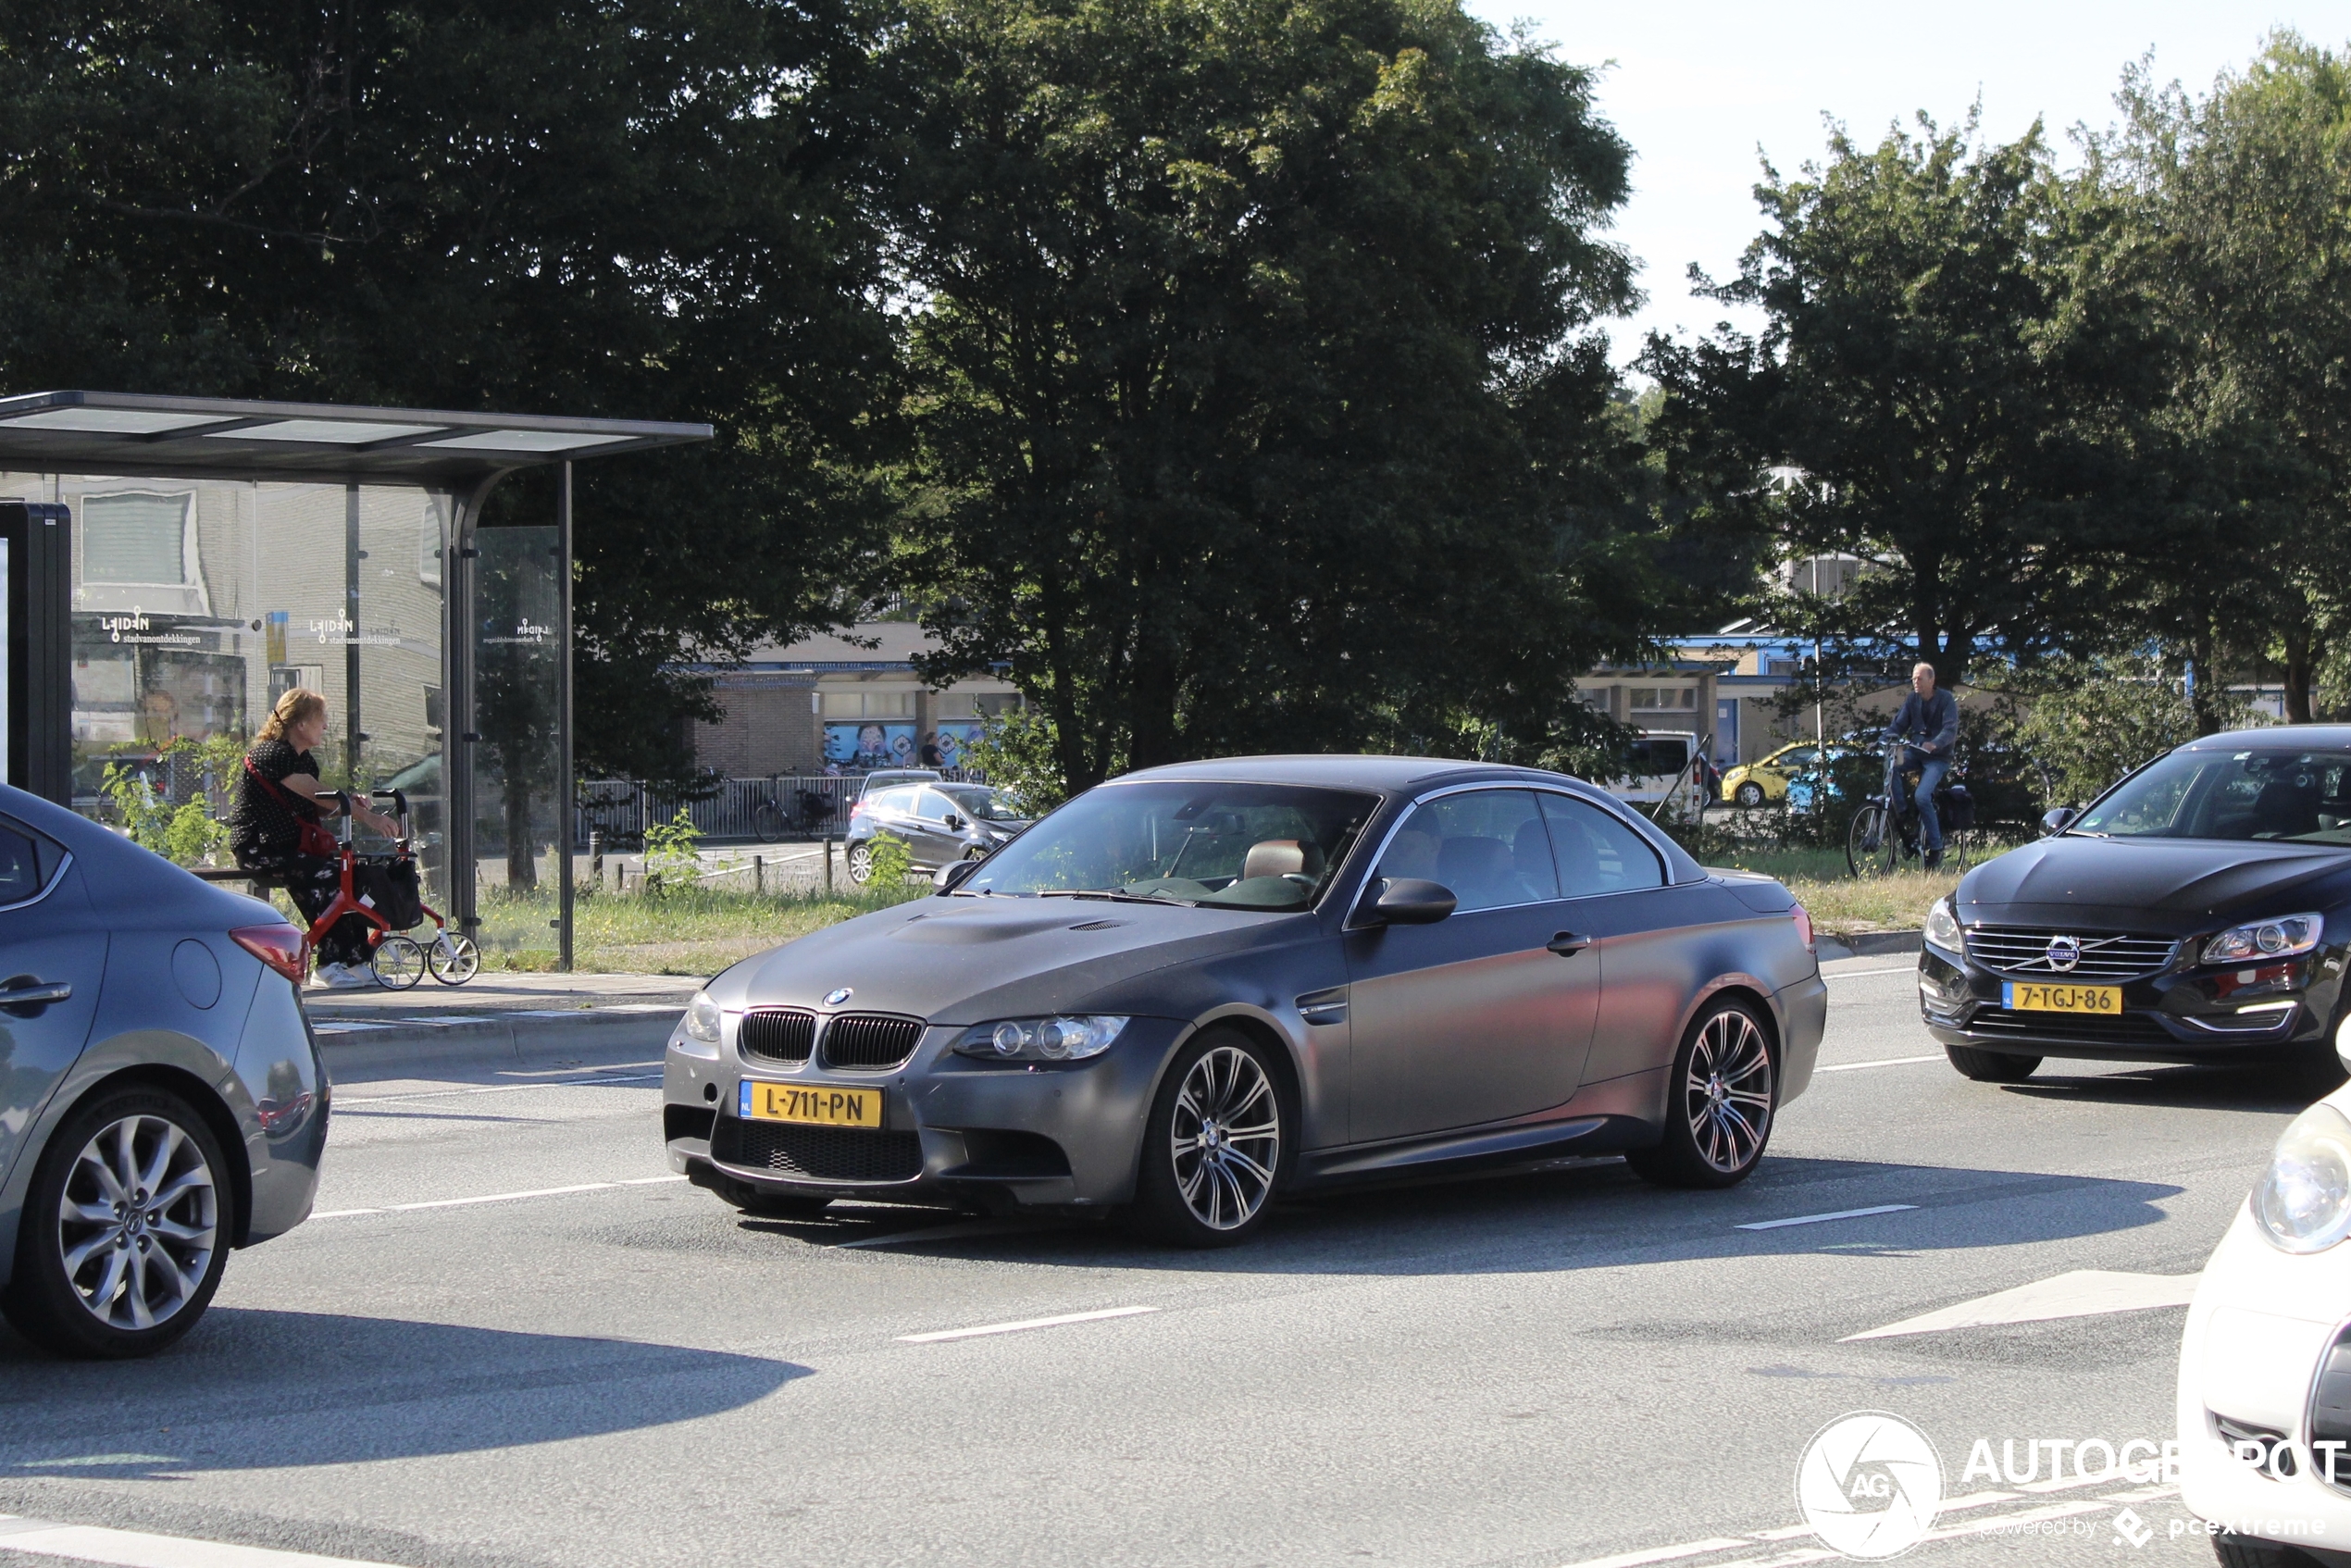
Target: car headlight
<point>1943,926</point>
<point>2302,1202</point>
<point>2280,938</point>
<point>702,1019</point>
<point>1041,1040</point>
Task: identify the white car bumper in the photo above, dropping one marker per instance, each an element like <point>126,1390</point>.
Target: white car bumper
<point>2259,1329</point>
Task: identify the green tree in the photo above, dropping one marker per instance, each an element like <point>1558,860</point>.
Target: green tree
<point>656,208</point>
<point>1953,385</point>
<point>2241,199</point>
<point>1256,408</point>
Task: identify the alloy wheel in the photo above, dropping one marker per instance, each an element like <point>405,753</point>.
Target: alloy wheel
<point>1727,1092</point>
<point>138,1223</point>
<point>1227,1138</point>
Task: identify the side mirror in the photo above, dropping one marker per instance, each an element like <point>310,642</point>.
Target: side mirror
<point>955,824</point>
<point>953,875</point>
<point>1407,900</point>
<point>2055,821</point>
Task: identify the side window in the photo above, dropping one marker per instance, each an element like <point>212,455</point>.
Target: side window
<point>1487,846</point>
<point>1597,852</point>
<point>897,802</point>
<point>26,859</point>
<point>931,807</point>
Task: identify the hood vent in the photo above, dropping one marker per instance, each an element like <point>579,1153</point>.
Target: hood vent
<point>1100,925</point>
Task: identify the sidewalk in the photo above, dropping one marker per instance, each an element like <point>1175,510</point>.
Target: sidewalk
<point>497,1015</point>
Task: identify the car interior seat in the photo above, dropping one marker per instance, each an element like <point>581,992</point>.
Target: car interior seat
<point>1411,853</point>
<point>1282,858</point>
<point>2285,808</point>
<point>1478,871</point>
<point>1531,859</point>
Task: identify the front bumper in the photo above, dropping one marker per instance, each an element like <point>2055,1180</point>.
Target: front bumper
<point>2189,1013</point>
<point>2260,1329</point>
<point>955,1129</point>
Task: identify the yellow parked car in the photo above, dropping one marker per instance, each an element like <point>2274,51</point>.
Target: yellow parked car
<point>1766,778</point>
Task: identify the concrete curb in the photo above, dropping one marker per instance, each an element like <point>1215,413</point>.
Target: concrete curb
<point>352,1047</point>
<point>1869,944</point>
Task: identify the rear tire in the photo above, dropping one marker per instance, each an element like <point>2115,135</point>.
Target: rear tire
<point>859,863</point>
<point>1749,794</point>
<point>1990,1066</point>
<point>1216,1146</point>
<point>453,959</point>
<point>125,1231</point>
<point>1723,1094</point>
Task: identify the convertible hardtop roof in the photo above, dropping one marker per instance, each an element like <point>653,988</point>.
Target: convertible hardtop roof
<point>2277,738</point>
<point>1387,774</point>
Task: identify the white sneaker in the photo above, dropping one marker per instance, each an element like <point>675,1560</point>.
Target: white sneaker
<point>345,976</point>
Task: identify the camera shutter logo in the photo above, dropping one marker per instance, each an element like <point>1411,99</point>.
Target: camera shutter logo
<point>1869,1484</point>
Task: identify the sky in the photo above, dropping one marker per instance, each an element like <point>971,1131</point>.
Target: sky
<point>1696,86</point>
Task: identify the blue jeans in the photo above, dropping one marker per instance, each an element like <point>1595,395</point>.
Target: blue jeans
<point>1931,772</point>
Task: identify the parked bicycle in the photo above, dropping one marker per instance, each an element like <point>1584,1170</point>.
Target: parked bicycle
<point>807,815</point>
<point>1884,836</point>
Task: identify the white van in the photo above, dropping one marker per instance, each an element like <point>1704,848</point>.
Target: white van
<point>1659,761</point>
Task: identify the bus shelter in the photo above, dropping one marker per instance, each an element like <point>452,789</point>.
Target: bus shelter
<point>173,564</point>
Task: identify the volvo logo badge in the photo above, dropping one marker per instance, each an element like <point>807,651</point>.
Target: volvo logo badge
<point>834,999</point>
<point>2064,953</point>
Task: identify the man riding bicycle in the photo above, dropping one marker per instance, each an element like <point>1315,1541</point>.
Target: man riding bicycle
<point>1933,717</point>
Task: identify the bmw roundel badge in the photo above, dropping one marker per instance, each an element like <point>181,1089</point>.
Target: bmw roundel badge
<point>834,999</point>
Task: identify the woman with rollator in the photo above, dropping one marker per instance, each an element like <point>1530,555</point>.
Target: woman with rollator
<point>277,828</point>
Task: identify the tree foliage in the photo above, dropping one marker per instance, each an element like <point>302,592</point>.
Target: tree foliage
<point>1255,410</point>
<point>628,207</point>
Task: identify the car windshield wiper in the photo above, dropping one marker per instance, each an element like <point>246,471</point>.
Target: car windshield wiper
<point>1112,894</point>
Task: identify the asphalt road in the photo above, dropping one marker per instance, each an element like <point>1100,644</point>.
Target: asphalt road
<point>1541,1369</point>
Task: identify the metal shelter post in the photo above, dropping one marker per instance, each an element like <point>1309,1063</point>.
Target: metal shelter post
<point>352,735</point>
<point>567,788</point>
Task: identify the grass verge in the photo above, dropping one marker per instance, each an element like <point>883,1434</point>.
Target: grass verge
<point>693,930</point>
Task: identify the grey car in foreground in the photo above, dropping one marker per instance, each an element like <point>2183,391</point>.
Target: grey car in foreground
<point>1195,987</point>
<point>161,1096</point>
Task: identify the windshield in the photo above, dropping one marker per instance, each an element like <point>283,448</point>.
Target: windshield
<point>1240,846</point>
<point>2299,796</point>
<point>977,802</point>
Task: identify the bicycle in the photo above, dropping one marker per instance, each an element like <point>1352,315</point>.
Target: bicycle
<point>773,824</point>
<point>1885,832</point>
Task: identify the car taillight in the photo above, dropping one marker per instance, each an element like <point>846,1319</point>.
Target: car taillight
<point>284,948</point>
<point>1804,927</point>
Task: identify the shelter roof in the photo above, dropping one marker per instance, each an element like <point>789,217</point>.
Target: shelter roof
<point>88,433</point>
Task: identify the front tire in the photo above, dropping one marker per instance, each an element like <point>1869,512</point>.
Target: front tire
<point>1749,794</point>
<point>1216,1144</point>
<point>1990,1066</point>
<point>767,822</point>
<point>398,963</point>
<point>1717,1117</point>
<point>125,1230</point>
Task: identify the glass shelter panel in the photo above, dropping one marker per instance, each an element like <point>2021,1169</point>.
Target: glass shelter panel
<point>517,668</point>
<point>196,602</point>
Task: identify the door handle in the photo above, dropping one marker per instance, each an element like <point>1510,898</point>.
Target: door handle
<point>27,994</point>
<point>1567,944</point>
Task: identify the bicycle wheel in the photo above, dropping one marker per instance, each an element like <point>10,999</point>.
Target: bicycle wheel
<point>398,963</point>
<point>1871,846</point>
<point>767,821</point>
<point>453,959</point>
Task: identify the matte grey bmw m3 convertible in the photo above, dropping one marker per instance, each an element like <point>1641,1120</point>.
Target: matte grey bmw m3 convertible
<point>1194,988</point>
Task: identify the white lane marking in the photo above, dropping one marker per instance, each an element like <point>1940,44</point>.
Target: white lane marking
<point>934,1337</point>
<point>947,1233</point>
<point>1865,974</point>
<point>136,1549</point>
<point>2078,1293</point>
<point>1663,1553</point>
<point>1882,1062</point>
<point>1818,1219</point>
<point>498,1089</point>
<point>494,1198</point>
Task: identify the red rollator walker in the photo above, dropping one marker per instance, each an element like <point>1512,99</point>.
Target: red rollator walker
<point>384,890</point>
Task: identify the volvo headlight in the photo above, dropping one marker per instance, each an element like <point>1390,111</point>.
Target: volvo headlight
<point>2281,938</point>
<point>1041,1040</point>
<point>1943,926</point>
<point>2302,1202</point>
<point>702,1019</point>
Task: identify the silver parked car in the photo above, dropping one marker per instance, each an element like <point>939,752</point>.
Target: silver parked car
<point>161,1097</point>
<point>1194,988</point>
<point>939,823</point>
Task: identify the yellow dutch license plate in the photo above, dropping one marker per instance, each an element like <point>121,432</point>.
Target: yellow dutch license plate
<point>2021,997</point>
<point>821,1105</point>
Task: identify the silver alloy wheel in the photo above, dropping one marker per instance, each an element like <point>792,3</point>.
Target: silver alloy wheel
<point>138,1222</point>
<point>1727,1095</point>
<point>1227,1137</point>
